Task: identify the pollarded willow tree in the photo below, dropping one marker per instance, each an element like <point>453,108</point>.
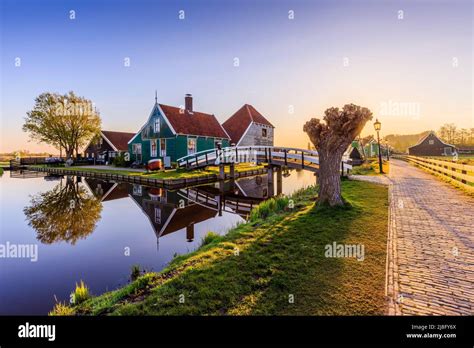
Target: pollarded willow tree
<point>331,139</point>
<point>65,121</point>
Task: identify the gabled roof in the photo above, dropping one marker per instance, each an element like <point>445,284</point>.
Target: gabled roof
<point>237,124</point>
<point>195,123</point>
<point>428,135</point>
<point>118,140</point>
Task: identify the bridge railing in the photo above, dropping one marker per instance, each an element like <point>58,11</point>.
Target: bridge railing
<point>240,154</point>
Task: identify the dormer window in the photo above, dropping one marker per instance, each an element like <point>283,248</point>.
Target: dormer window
<point>157,125</point>
<point>431,142</point>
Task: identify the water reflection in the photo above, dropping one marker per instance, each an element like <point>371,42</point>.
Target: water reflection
<point>67,213</point>
<point>70,210</point>
<point>170,211</point>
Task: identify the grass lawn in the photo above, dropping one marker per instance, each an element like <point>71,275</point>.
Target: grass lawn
<point>258,266</point>
<point>1,171</point>
<point>165,174</point>
<point>371,168</point>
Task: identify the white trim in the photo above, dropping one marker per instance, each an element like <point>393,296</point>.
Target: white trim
<point>167,222</point>
<point>109,191</point>
<point>166,118</point>
<point>245,133</point>
<point>157,106</point>
<point>108,141</point>
<point>228,137</point>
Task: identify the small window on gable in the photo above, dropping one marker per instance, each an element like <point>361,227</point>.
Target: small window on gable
<point>264,132</point>
<point>431,142</point>
<point>157,125</point>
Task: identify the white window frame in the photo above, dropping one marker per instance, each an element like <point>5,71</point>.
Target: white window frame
<point>137,148</point>
<point>431,142</point>
<point>157,125</point>
<point>162,150</point>
<point>155,152</point>
<point>158,215</point>
<point>264,130</point>
<point>195,145</point>
<point>137,190</point>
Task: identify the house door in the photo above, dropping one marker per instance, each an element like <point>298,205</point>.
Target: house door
<point>448,151</point>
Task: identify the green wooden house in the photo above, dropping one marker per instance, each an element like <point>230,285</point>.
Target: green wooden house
<point>173,132</point>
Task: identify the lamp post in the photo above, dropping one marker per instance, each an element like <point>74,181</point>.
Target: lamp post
<point>377,126</point>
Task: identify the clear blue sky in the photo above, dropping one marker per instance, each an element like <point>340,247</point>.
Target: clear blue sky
<point>283,62</point>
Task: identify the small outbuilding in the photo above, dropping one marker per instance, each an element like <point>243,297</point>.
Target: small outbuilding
<point>107,145</point>
<point>431,145</point>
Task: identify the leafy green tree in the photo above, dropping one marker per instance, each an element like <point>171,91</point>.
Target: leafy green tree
<point>64,121</point>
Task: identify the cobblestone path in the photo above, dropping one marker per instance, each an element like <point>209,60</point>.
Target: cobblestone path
<point>430,250</point>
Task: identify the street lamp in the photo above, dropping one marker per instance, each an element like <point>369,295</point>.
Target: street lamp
<point>377,126</point>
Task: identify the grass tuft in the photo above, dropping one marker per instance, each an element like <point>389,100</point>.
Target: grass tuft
<point>81,293</point>
<point>209,238</point>
<point>61,309</point>
<point>268,207</point>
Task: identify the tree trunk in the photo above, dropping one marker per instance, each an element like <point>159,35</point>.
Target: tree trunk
<point>329,179</point>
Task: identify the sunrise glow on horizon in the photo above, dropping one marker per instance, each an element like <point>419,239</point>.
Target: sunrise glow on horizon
<point>291,60</point>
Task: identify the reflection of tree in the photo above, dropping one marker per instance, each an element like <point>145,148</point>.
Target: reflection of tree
<point>65,213</point>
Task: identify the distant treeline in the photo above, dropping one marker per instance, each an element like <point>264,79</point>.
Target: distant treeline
<point>400,143</point>
<point>449,133</point>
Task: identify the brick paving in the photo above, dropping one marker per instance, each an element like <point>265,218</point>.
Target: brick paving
<point>430,249</point>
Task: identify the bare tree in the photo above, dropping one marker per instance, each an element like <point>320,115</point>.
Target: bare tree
<point>331,139</point>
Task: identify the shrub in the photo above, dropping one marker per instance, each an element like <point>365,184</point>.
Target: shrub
<point>119,161</point>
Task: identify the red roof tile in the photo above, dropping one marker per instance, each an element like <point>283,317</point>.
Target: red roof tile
<point>197,123</point>
<point>237,124</point>
<point>119,139</point>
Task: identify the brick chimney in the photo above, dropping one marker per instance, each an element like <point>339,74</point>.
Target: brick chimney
<point>188,103</point>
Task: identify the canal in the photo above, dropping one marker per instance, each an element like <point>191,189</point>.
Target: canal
<point>95,231</point>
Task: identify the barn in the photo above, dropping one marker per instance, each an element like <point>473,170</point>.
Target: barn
<point>431,145</point>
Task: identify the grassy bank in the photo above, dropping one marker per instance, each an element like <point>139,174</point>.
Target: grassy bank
<point>260,266</point>
<point>164,174</point>
<point>371,168</point>
<point>1,171</point>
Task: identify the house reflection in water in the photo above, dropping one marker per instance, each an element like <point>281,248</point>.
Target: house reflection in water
<point>171,211</point>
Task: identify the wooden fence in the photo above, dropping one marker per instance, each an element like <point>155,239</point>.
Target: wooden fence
<point>459,174</point>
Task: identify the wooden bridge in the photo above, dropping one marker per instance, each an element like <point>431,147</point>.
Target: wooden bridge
<point>214,199</point>
<point>272,155</point>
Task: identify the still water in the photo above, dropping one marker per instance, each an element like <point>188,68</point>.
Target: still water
<point>95,231</point>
